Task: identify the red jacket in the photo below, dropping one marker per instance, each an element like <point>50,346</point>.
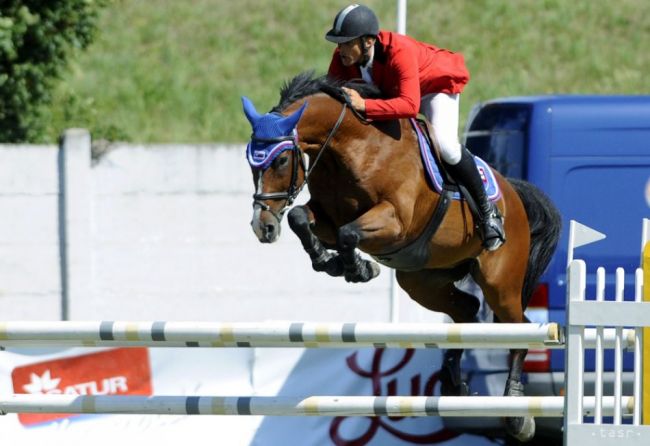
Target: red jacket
<point>404,70</point>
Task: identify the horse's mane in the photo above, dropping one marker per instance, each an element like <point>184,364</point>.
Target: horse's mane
<point>306,84</point>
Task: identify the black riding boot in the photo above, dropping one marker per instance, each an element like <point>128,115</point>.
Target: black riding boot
<point>490,221</point>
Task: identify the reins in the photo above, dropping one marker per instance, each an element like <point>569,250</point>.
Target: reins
<point>326,143</point>
<point>347,101</point>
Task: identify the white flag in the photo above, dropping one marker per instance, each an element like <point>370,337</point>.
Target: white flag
<point>583,235</point>
<point>580,235</point>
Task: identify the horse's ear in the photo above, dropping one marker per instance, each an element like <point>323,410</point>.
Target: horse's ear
<point>249,111</point>
<point>287,124</point>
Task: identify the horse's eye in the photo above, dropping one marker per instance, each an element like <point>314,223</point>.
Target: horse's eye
<point>281,161</point>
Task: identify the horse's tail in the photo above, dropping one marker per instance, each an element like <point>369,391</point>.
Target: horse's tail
<point>545,223</point>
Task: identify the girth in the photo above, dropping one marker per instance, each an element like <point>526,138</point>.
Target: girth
<point>415,255</point>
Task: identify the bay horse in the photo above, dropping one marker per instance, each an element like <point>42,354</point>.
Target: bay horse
<point>368,192</point>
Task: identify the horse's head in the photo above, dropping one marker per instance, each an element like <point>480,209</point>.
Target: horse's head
<point>278,167</point>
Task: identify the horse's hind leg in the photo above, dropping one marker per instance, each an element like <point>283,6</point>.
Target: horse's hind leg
<point>301,220</point>
<point>501,282</point>
<point>435,290</point>
<point>522,428</point>
<point>451,381</point>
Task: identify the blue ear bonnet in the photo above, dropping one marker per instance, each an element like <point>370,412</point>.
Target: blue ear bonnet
<point>261,153</point>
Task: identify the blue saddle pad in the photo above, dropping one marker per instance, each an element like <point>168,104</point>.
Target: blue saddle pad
<point>433,172</point>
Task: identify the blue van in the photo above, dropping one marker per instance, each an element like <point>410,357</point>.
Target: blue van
<point>591,156</point>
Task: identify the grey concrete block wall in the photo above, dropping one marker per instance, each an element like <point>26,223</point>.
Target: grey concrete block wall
<point>154,232</point>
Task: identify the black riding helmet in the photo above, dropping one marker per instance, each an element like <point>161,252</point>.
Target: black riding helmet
<point>352,22</point>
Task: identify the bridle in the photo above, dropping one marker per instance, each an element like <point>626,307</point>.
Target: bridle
<point>298,161</point>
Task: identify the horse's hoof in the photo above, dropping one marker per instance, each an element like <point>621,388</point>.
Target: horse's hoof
<point>333,266</point>
<point>521,428</point>
<point>373,269</point>
<point>365,272</point>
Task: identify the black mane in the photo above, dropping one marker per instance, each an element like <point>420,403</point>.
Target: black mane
<point>306,84</point>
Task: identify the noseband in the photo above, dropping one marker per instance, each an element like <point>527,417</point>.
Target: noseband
<point>298,161</point>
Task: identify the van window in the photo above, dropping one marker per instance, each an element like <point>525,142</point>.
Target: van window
<point>498,133</point>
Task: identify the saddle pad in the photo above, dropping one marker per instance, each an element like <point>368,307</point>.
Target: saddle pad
<point>433,171</point>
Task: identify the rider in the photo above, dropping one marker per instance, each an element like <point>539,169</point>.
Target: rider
<point>414,76</point>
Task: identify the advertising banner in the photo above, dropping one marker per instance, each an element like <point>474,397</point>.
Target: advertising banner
<point>223,372</point>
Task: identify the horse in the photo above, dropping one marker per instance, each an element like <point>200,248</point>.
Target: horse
<point>368,192</point>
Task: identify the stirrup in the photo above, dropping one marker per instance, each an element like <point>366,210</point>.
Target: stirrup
<point>491,229</point>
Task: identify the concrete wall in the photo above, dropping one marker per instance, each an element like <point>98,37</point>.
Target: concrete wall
<point>153,232</point>
<point>30,276</point>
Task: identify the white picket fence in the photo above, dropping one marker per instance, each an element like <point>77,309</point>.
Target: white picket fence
<point>617,314</point>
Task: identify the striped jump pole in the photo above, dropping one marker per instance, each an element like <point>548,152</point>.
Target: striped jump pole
<point>292,334</point>
<point>279,334</point>
<point>367,406</point>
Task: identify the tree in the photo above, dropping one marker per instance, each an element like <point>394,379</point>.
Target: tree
<point>37,38</point>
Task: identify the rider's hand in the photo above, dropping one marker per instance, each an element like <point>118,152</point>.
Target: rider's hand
<point>356,101</point>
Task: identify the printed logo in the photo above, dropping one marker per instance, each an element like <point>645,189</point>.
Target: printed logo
<point>42,384</point>
<point>124,371</point>
<point>382,375</point>
<point>482,174</point>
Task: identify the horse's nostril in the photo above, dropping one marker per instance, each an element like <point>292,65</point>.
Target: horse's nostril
<point>269,229</point>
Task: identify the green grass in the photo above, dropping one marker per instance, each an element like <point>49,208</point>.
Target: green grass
<point>174,70</point>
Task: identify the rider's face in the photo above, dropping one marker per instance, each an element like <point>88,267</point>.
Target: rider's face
<point>350,52</point>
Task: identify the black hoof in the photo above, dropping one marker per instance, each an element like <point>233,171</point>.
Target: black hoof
<point>328,263</point>
<point>333,266</point>
<point>364,272</point>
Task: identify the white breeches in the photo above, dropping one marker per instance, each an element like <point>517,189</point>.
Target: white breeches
<point>442,110</point>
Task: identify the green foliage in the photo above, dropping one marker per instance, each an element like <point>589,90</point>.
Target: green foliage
<point>36,40</point>
<point>174,71</point>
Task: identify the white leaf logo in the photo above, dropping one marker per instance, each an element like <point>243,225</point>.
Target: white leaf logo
<point>42,384</point>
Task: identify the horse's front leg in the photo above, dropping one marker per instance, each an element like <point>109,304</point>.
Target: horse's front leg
<point>301,221</point>
<point>378,228</point>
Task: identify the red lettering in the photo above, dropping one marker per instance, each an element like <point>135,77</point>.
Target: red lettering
<point>377,373</point>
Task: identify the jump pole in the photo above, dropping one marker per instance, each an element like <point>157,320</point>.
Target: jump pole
<point>293,334</point>
<point>367,406</point>
<point>279,334</point>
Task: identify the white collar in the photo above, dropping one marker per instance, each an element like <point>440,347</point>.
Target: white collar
<point>371,57</point>
<point>366,70</point>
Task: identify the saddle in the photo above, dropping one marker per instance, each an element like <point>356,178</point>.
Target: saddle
<point>438,177</point>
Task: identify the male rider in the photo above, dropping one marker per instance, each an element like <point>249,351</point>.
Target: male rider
<point>414,77</point>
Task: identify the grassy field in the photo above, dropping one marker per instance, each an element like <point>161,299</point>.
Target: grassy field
<point>174,71</point>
